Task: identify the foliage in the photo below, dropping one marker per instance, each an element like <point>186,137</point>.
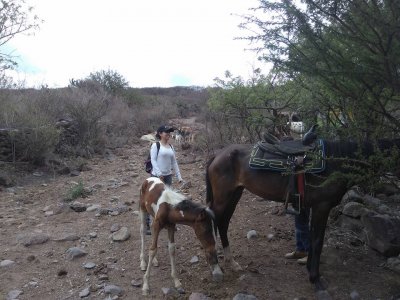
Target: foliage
<point>32,131</point>
<point>15,18</point>
<point>75,192</point>
<point>242,110</point>
<point>344,53</point>
<point>111,81</point>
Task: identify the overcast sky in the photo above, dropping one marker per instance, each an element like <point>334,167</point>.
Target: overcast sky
<point>151,43</point>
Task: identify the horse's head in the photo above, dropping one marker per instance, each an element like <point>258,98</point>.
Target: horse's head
<point>205,231</point>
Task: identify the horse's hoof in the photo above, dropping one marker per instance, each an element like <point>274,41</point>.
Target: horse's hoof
<point>321,284</point>
<point>155,263</point>
<point>323,295</point>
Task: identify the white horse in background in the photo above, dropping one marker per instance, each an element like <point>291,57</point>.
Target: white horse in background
<point>149,137</point>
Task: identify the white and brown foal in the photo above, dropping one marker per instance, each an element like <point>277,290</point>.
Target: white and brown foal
<point>168,208</point>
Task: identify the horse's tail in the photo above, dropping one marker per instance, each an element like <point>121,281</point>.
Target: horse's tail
<point>209,192</point>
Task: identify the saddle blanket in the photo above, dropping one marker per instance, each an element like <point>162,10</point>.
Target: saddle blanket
<point>264,160</point>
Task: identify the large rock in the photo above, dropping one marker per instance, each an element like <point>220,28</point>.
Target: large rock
<point>383,233</point>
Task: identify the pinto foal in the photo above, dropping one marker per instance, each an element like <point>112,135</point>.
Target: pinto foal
<point>169,208</point>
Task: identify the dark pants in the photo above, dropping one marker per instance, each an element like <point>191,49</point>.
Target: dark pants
<point>302,224</point>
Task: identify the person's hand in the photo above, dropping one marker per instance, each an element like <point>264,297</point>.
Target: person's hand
<point>161,178</point>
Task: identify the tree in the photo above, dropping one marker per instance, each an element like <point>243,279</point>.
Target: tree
<point>111,81</point>
<point>245,109</point>
<point>15,18</point>
<point>344,53</point>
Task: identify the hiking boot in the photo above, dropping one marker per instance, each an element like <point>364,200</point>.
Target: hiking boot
<point>302,261</point>
<point>296,255</point>
<point>148,231</point>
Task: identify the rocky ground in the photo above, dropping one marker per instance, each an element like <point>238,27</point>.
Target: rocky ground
<point>40,234</point>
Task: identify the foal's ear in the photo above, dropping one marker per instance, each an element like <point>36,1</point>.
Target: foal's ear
<point>210,212</point>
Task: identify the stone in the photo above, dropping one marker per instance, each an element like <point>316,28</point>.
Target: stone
<point>121,235</point>
<point>354,209</point>
<point>383,233</point>
<point>241,296</point>
<point>251,234</point>
<point>14,294</point>
<point>84,293</point>
<point>6,263</point>
<point>89,265</point>
<point>32,239</point>
<point>75,252</point>
<point>198,296</point>
<point>113,290</point>
<point>194,260</point>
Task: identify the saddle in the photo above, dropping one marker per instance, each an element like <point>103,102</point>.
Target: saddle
<point>291,158</point>
<point>283,156</point>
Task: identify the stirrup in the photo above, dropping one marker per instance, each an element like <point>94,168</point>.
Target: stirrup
<point>293,211</point>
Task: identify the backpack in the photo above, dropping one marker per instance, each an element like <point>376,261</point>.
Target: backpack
<point>147,164</point>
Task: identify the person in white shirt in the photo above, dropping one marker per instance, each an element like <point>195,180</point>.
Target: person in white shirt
<point>164,160</point>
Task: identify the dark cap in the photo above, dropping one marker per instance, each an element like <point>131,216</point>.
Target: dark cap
<point>165,128</point>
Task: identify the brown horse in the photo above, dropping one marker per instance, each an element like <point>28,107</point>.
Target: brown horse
<point>168,208</point>
<point>228,174</point>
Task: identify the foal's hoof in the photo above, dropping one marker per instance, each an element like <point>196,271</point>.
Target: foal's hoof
<point>143,266</point>
<point>218,276</point>
<point>145,292</point>
<point>155,262</point>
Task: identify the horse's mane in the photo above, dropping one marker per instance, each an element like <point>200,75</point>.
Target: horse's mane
<point>351,149</point>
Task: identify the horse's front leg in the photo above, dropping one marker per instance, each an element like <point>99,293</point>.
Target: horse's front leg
<point>228,258</point>
<point>171,250</point>
<point>319,219</point>
<point>152,254</point>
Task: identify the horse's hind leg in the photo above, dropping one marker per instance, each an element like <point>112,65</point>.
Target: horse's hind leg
<point>223,225</point>
<point>171,250</point>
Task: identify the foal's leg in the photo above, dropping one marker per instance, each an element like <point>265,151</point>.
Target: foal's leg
<point>142,215</point>
<point>152,253</point>
<point>171,250</point>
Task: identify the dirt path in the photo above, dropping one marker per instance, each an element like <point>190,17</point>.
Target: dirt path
<point>43,271</point>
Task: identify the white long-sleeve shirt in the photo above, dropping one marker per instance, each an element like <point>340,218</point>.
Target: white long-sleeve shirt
<point>165,162</point>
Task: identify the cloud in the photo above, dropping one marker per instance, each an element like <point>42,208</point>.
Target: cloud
<point>150,43</point>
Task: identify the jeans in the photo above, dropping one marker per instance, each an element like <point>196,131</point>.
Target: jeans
<point>302,225</point>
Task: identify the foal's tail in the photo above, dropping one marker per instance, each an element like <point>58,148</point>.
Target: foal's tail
<point>209,192</point>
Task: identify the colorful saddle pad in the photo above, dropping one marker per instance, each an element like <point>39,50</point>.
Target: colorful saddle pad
<point>264,160</point>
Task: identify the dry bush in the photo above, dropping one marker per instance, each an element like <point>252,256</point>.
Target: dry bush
<point>32,132</point>
<point>87,109</point>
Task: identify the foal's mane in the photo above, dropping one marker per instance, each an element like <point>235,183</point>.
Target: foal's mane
<point>187,205</point>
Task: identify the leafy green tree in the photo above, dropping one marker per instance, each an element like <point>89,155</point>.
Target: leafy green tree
<point>242,110</point>
<point>15,18</point>
<point>111,81</point>
<point>345,54</point>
